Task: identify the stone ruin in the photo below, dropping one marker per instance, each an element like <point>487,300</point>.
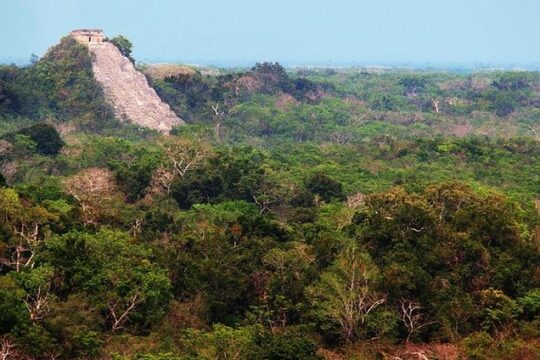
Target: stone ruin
<point>125,88</point>
<point>88,36</point>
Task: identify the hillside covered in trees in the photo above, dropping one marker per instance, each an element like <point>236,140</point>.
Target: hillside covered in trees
<point>299,214</point>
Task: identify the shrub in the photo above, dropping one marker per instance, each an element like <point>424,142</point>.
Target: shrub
<point>47,139</point>
<point>324,186</point>
<point>292,344</point>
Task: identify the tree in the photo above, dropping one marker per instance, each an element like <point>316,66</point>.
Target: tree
<point>287,273</point>
<point>180,156</point>
<point>79,323</point>
<point>94,189</point>
<point>47,139</point>
<point>442,247</point>
<point>412,85</point>
<point>412,317</point>
<point>272,77</point>
<point>502,102</point>
<point>223,343</point>
<point>511,81</point>
<point>161,181</point>
<point>23,145</point>
<point>269,190</point>
<point>116,275</point>
<point>13,312</point>
<point>202,185</point>
<point>292,343</point>
<point>7,348</point>
<point>242,170</point>
<point>498,311</point>
<point>346,292</point>
<point>24,225</point>
<point>61,85</point>
<point>245,86</point>
<point>37,285</point>
<point>134,172</point>
<point>531,303</point>
<point>124,45</point>
<point>324,186</point>
<point>34,59</point>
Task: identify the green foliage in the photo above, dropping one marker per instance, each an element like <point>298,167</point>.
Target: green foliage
<point>346,293</point>
<point>292,344</point>
<point>249,343</point>
<point>499,310</point>
<point>47,139</point>
<point>413,84</point>
<point>134,172</point>
<point>12,309</point>
<point>481,346</point>
<point>324,186</point>
<point>317,205</point>
<point>124,45</point>
<point>23,145</point>
<point>476,346</point>
<point>531,303</point>
<point>222,343</point>
<point>79,324</point>
<point>435,239</point>
<point>64,76</point>
<point>60,85</point>
<point>113,273</point>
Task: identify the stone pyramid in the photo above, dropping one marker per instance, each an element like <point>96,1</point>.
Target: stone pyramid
<point>127,90</point>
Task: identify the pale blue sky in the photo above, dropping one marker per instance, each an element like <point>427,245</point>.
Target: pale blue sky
<point>293,32</point>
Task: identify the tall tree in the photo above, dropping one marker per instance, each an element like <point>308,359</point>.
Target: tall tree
<point>346,292</point>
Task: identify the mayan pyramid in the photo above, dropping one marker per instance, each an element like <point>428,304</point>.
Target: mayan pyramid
<point>125,88</point>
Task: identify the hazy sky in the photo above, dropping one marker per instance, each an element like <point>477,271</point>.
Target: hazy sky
<point>293,32</point>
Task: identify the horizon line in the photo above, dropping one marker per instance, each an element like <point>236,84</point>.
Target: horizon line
<point>328,64</point>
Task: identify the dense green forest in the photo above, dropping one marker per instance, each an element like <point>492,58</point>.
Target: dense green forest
<point>310,213</point>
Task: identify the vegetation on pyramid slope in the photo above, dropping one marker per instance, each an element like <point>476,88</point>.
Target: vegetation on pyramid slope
<point>60,86</point>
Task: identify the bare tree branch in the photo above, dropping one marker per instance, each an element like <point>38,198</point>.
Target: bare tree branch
<point>411,316</point>
<point>119,316</point>
<point>7,349</point>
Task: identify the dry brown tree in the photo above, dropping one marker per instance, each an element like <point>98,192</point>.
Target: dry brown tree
<point>92,188</point>
<point>180,156</point>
